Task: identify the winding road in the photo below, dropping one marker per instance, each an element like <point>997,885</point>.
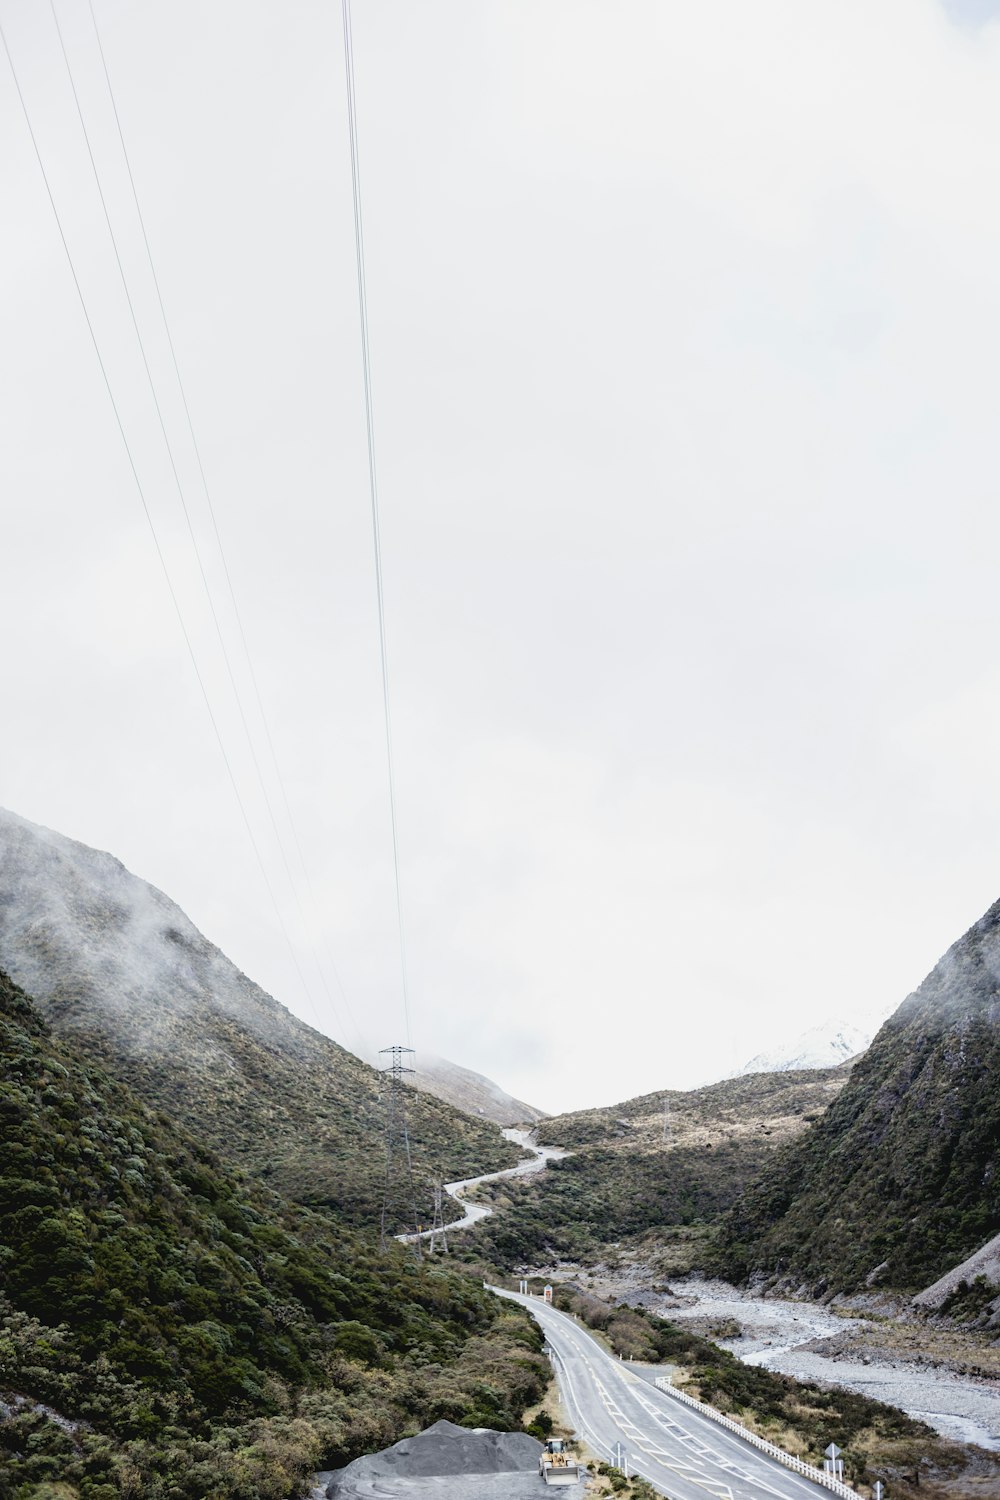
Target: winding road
<point>615,1407</point>
<point>542,1155</point>
<point>683,1454</point>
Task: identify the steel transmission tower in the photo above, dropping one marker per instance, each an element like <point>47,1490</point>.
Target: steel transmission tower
<point>398,1197</point>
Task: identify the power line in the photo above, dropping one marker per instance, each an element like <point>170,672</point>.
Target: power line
<point>145,504</point>
<point>228,576</point>
<point>177,483</point>
<point>359,249</point>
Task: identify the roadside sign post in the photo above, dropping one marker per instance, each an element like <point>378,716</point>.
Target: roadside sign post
<point>878,1490</point>
<point>833,1463</point>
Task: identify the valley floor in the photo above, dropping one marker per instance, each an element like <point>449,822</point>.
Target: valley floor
<point>949,1378</point>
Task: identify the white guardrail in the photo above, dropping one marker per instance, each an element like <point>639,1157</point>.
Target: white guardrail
<point>809,1471</point>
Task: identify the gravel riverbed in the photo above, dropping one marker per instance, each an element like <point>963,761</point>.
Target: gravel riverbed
<point>811,1341</point>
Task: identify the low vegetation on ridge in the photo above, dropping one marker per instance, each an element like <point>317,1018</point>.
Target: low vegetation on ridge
<point>666,1159</point>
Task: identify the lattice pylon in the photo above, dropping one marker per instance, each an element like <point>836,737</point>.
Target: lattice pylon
<point>397,1144</point>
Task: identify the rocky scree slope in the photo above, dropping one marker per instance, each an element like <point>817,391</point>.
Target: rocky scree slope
<point>171,1329</point>
<point>623,1177</point>
<point>116,965</point>
<point>899,1179</point>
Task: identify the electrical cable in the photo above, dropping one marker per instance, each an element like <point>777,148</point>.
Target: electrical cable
<point>146,510</point>
<point>229,584</point>
<point>179,487</point>
<point>359,249</point>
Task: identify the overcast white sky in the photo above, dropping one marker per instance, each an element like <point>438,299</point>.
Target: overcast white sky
<point>686,331</point>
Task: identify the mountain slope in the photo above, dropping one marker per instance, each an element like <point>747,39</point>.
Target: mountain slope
<point>898,1181</point>
<point>170,1330</point>
<point>624,1176</point>
<point>116,965</point>
<point>470,1092</point>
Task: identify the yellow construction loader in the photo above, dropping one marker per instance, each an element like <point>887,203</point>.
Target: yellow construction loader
<point>555,1465</point>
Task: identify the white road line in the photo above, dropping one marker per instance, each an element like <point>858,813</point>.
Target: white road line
<point>652,1450</point>
<point>691,1440</point>
<point>596,1443</point>
<point>732,1440</point>
<point>732,1468</point>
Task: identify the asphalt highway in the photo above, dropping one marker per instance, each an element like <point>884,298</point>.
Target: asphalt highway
<point>684,1455</point>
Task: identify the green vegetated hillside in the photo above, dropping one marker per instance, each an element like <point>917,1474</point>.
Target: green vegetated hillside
<point>307,1118</point>
<point>624,1176</point>
<point>170,1328</point>
<point>898,1181</point>
<point>117,967</point>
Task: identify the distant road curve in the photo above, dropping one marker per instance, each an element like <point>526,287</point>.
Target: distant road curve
<point>683,1454</point>
<point>476,1211</point>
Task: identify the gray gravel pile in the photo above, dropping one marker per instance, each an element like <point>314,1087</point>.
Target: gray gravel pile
<point>457,1462</point>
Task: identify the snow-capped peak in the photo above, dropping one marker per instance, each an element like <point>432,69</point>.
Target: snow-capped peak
<point>821,1046</point>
